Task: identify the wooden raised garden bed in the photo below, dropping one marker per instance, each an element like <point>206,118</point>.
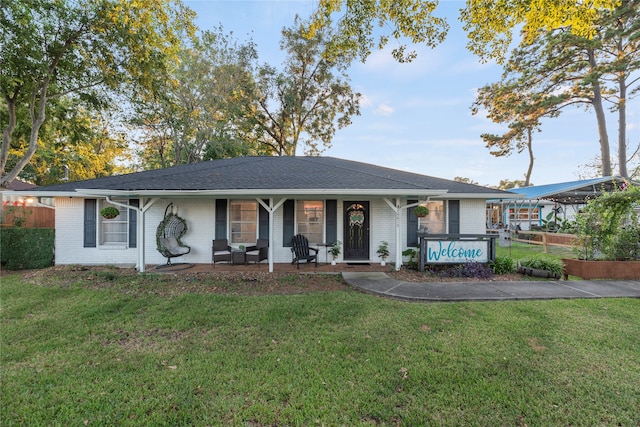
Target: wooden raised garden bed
<point>622,270</point>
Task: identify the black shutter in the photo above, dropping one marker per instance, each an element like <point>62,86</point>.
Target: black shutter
<point>221,219</point>
<point>412,226</point>
<point>331,212</point>
<point>90,216</point>
<point>454,216</point>
<point>288,222</point>
<point>133,223</point>
<point>263,222</point>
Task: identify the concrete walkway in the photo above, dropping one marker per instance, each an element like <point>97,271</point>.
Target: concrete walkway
<point>383,285</point>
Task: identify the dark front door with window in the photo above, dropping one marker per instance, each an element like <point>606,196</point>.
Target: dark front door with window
<point>356,231</point>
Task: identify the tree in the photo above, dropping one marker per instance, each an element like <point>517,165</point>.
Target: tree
<point>355,20</point>
<point>592,167</point>
<point>620,30</point>
<point>562,69</point>
<point>507,184</point>
<point>465,180</point>
<point>81,47</point>
<point>200,111</point>
<point>490,23</point>
<point>302,104</point>
<point>505,102</point>
<point>80,140</point>
<point>558,69</point>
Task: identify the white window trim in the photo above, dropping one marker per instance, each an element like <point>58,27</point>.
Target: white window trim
<point>323,236</point>
<point>230,222</point>
<point>100,230</point>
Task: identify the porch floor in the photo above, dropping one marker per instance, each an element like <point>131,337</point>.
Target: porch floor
<point>223,267</point>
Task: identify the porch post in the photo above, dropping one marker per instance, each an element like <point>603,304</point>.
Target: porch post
<point>396,209</point>
<point>140,232</point>
<point>398,246</point>
<point>271,208</point>
<point>141,237</point>
<point>270,249</point>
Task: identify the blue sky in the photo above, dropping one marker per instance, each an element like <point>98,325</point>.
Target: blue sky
<point>416,116</point>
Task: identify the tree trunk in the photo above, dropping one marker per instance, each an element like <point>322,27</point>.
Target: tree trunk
<point>622,127</point>
<point>7,135</point>
<point>527,177</point>
<point>601,118</point>
<point>38,108</point>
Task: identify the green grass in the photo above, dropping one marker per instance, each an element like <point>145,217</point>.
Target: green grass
<point>78,355</point>
<point>519,250</point>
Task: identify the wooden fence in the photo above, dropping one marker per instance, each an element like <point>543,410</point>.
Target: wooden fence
<point>28,217</point>
<point>545,239</point>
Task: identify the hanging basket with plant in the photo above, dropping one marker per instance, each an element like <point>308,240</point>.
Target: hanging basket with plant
<point>421,211</point>
<point>109,212</point>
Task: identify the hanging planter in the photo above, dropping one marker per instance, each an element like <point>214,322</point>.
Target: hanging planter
<point>109,212</point>
<point>421,211</point>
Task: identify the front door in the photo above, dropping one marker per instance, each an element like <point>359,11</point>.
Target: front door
<point>356,231</point>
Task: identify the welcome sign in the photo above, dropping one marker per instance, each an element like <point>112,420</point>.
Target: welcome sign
<point>456,251</point>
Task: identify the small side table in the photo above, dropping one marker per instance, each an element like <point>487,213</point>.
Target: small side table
<point>238,256</point>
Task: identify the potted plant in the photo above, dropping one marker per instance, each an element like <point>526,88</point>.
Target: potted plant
<point>109,212</point>
<point>421,211</point>
<point>334,250</point>
<point>383,251</point>
<point>540,267</point>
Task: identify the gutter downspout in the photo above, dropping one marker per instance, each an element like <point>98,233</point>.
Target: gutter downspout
<point>140,256</point>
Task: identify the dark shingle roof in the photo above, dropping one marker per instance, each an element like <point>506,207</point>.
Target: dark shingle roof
<point>272,173</point>
<point>17,184</point>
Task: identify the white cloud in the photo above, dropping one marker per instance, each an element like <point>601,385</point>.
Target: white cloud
<point>383,110</point>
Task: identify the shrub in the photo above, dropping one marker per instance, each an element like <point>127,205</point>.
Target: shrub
<point>413,257</point>
<point>608,226</point>
<point>503,265</point>
<point>26,248</point>
<point>473,270</point>
<point>552,265</point>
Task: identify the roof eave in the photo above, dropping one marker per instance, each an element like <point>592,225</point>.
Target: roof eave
<point>483,196</point>
<point>246,193</point>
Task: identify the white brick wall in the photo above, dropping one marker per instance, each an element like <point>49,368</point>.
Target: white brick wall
<point>383,227</point>
<point>70,239</point>
<point>200,217</point>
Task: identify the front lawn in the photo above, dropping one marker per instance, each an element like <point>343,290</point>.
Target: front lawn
<point>519,251</point>
<point>75,354</point>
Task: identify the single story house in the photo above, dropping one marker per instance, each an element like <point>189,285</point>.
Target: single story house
<point>248,198</point>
